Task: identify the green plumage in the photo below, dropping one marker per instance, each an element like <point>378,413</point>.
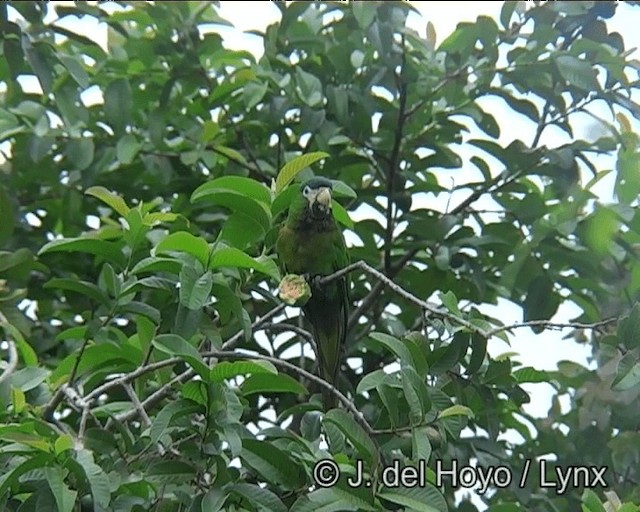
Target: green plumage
<point>310,242</point>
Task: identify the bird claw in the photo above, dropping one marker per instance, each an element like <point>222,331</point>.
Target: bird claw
<point>313,280</point>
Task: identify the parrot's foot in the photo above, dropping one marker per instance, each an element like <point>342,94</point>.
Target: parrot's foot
<point>313,279</point>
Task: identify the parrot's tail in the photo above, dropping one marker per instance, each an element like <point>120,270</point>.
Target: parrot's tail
<point>328,319</point>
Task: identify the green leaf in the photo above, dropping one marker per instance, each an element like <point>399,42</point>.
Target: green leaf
<point>629,328</point>
<point>450,302</point>
<point>80,152</point>
<point>256,494</point>
<point>309,88</point>
<point>182,241</point>
<point>238,184</point>
<point>27,379</point>
<point>529,374</point>
<point>118,103</point>
<point>98,480</point>
<point>456,410</point>
<point>232,257</point>
<point>65,497</point>
<point>394,345</point>
<point>214,499</point>
<point>271,383</point>
<point>478,352</point>
<point>592,502</point>
<point>127,148</point>
<point>108,250</point>
<point>506,13</point>
<point>27,353</point>
<point>175,345</point>
<point>273,464</point>
<point>171,472</point>
<point>74,66</point>
<point>578,73</point>
<point>420,445</point>
<point>294,166</point>
<point>227,369</point>
<point>371,380</point>
<point>195,287</point>
<point>355,433</point>
<point>235,201</point>
<point>39,63</point>
<point>364,13</point>
<point>339,498</point>
<point>627,372</point>
<point>155,264</point>
<point>85,288</point>
<point>341,189</point>
<point>419,498</point>
<point>341,215</point>
<point>163,418</point>
<point>253,92</point>
<point>412,396</point>
<point>10,477</point>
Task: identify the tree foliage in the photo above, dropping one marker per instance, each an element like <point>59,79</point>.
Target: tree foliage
<point>148,364</point>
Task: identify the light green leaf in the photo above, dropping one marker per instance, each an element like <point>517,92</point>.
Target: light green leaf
<point>456,410</point>
<point>232,257</point>
<point>238,184</point>
<point>293,167</point>
<point>182,241</point>
<point>271,383</point>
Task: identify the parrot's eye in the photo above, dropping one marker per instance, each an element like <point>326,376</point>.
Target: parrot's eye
<point>306,191</point>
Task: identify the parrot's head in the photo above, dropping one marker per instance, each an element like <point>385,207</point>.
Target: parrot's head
<point>317,192</point>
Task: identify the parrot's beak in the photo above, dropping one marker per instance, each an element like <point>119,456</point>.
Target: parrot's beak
<point>324,198</point>
<point>321,207</point>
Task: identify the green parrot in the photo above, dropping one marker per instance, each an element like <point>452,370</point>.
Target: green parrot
<point>311,243</point>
